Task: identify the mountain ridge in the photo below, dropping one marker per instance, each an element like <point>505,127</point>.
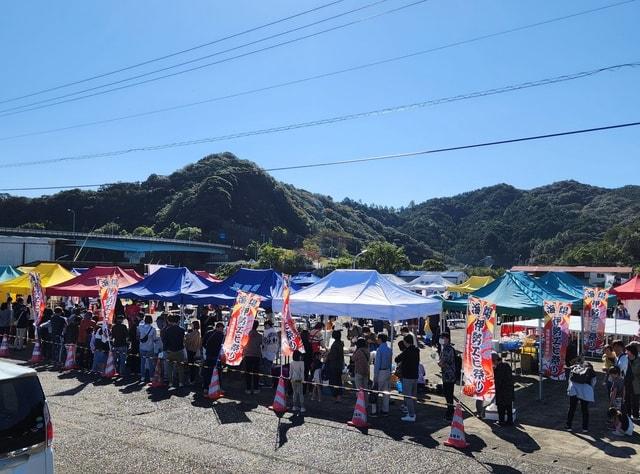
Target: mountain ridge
<point>223,198</point>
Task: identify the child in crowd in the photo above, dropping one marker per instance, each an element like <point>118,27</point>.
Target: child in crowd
<point>609,360</point>
<point>316,370</point>
<point>296,375</point>
<point>622,424</point>
<point>616,394</point>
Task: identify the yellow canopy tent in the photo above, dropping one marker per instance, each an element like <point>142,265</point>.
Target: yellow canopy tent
<point>50,274</point>
<point>472,284</point>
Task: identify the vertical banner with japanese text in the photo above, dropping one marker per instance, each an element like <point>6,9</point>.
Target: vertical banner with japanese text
<point>556,338</point>
<point>477,364</point>
<point>290,337</point>
<point>38,302</point>
<point>108,295</point>
<point>243,314</point>
<point>594,317</point>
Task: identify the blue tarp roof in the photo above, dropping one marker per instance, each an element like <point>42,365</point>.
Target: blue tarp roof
<point>7,272</point>
<point>265,283</point>
<point>304,279</point>
<point>170,284</point>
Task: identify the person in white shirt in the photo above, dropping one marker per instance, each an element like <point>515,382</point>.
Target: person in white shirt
<point>296,376</point>
<point>270,348</point>
<point>622,362</point>
<point>148,337</point>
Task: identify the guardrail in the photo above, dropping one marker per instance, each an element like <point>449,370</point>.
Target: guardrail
<point>84,235</point>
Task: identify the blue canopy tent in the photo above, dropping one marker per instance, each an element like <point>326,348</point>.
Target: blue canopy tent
<point>7,272</point>
<point>304,279</point>
<point>265,283</point>
<point>171,284</point>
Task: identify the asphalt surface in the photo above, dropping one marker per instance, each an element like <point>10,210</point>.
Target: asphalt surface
<point>124,426</point>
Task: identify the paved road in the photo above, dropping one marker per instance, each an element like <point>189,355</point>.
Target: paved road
<point>125,427</point>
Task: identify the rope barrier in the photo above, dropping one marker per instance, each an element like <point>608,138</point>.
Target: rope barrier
<point>392,395</point>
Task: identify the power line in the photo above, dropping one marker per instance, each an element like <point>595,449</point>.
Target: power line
<point>315,77</point>
<point>389,157</point>
<point>326,121</point>
<point>171,55</point>
<point>48,102</point>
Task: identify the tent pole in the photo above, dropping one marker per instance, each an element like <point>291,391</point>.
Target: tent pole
<point>615,322</point>
<point>540,359</point>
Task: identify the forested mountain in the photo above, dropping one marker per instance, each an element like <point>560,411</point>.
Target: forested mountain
<point>223,199</point>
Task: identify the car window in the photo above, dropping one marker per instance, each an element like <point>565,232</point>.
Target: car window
<point>22,421</point>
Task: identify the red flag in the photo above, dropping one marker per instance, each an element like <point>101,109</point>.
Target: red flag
<point>477,363</point>
<point>290,337</point>
<point>240,323</point>
<point>556,338</point>
<point>108,297</point>
<point>594,311</point>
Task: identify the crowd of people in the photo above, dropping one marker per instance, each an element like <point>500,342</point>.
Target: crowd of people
<point>357,352</point>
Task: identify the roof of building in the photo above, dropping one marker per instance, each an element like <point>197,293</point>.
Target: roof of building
<point>570,269</point>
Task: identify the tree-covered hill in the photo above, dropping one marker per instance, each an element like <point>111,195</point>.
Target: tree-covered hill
<point>223,199</point>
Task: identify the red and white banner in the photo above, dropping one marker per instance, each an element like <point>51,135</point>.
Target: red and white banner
<point>38,302</point>
<point>556,338</point>
<point>477,363</point>
<point>108,297</point>
<point>290,337</point>
<point>241,321</point>
<point>594,318</point>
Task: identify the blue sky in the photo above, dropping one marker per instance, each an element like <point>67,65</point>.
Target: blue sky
<point>49,43</point>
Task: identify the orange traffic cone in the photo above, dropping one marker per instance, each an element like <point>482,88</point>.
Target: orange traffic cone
<point>359,419</point>
<point>456,437</point>
<point>214,387</point>
<point>110,367</point>
<point>280,400</point>
<point>157,380</point>
<point>4,347</point>
<point>70,361</point>
<point>36,356</point>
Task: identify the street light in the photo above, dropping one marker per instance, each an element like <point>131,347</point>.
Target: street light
<point>356,257</point>
<point>74,219</point>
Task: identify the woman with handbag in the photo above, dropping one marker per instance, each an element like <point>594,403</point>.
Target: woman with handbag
<point>582,380</point>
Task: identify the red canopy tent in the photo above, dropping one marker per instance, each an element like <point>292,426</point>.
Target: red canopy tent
<point>207,276</point>
<point>86,284</point>
<point>629,291</point>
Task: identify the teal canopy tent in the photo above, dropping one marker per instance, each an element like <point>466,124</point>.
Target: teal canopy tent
<point>516,294</point>
<point>7,272</point>
<point>567,283</point>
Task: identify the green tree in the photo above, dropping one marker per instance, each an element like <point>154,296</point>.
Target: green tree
<point>384,257</point>
<point>143,231</point>
<point>170,231</point>
<point>595,253</point>
<point>189,233</point>
<point>110,228</point>
<point>279,235</point>
<point>33,226</point>
<point>433,265</point>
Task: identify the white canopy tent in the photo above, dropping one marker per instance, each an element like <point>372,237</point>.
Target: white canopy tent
<point>394,279</point>
<point>428,282</point>
<point>618,327</point>
<point>360,294</point>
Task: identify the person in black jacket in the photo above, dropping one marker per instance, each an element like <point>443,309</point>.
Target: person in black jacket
<point>503,379</point>
<point>212,344</point>
<point>58,325</point>
<point>410,360</point>
<point>120,344</point>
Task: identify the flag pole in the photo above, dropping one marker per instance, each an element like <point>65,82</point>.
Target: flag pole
<point>540,359</point>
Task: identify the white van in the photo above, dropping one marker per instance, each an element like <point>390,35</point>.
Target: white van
<point>26,432</point>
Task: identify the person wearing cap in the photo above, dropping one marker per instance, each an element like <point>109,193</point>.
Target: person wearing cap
<point>447,364</point>
<point>503,379</point>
